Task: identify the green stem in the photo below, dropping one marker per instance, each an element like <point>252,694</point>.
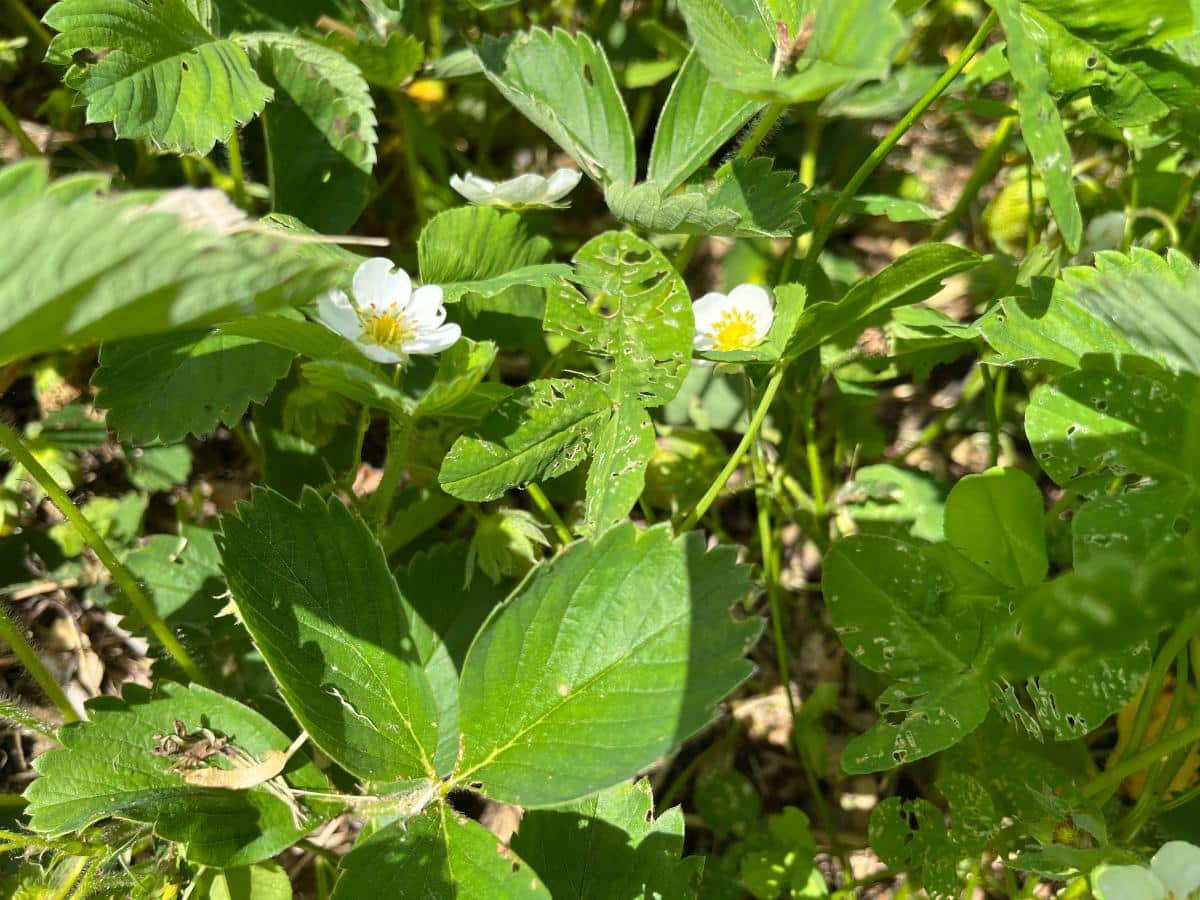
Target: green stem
<point>816,474</point>
<point>237,171</point>
<point>1106,783</point>
<point>826,228</point>
<point>123,578</point>
<point>756,421</point>
<point>400,431</point>
<point>800,244</point>
<point>412,163</point>
<point>992,399</point>
<point>12,634</point>
<point>13,125</point>
<point>546,508</point>
<point>988,163</point>
<point>762,128</point>
<point>771,567</point>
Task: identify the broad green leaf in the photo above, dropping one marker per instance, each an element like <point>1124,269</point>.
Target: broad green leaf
<point>851,41</point>
<point>1149,523</point>
<point>1093,420</point>
<point>446,614</point>
<point>439,855</point>
<point>265,881</point>
<point>913,277</point>
<point>460,369</point>
<point>699,116</point>
<point>888,603</point>
<point>629,852</point>
<point>104,268</point>
<point>780,859</point>
<point>885,499</point>
<point>564,85</point>
<point>484,251</point>
<point>386,63</point>
<point>1106,605</point>
<point>911,836</point>
<point>620,453</point>
<point>1142,304</point>
<point>159,73</point>
<point>628,635</point>
<point>313,588</point>
<point>1118,25</point>
<point>163,387</point>
<point>750,200</point>
<point>541,430</point>
<point>1041,123</point>
<point>996,519</point>
<point>634,309</point>
<point>109,767</point>
<point>1074,700</point>
<point>320,131</point>
<point>289,330</point>
<point>361,383</point>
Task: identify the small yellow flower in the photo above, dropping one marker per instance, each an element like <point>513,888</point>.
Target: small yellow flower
<point>738,320</point>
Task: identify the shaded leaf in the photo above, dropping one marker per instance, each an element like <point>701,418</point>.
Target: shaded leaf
<point>313,588</point>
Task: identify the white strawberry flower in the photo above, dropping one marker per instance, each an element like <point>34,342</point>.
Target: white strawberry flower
<point>386,319</point>
<point>524,191</point>
<point>738,320</point>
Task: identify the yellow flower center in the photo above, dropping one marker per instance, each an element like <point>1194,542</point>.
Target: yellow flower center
<point>387,329</point>
<point>733,331</point>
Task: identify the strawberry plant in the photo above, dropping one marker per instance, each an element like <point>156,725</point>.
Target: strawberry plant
<point>704,449</point>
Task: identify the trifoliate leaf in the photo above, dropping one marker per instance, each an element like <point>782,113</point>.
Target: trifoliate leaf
<point>604,639</point>
<point>160,74</point>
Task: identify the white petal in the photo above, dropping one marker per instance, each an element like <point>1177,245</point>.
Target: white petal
<point>1128,883</point>
<point>524,190</point>
<point>376,286</point>
<point>434,341</point>
<point>708,309</point>
<point>425,309</point>
<point>1177,865</point>
<point>701,341</point>
<point>756,301</point>
<point>378,353</point>
<point>336,313</point>
<point>561,183</point>
<point>474,188</point>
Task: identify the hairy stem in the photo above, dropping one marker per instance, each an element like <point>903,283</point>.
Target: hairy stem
<point>763,127</point>
<point>121,576</point>
<point>826,228</point>
<point>236,170</point>
<point>13,634</point>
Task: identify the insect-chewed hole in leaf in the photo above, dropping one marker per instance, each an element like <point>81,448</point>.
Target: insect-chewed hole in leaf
<point>1092,61</point>
<point>1101,403</point>
<point>1071,429</point>
<point>183,65</point>
<point>1181,525</point>
<point>588,77</point>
